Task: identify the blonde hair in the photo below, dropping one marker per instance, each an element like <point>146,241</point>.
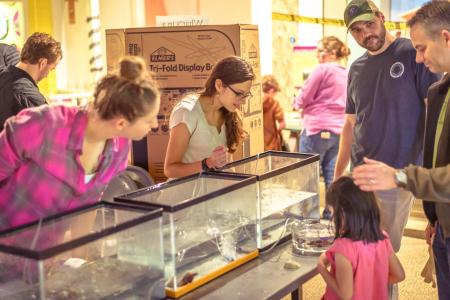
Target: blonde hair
<point>334,45</point>
<point>129,92</point>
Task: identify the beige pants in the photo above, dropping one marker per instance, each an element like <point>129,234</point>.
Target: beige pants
<point>395,207</point>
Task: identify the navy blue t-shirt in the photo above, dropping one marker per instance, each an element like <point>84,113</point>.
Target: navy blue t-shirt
<point>386,92</point>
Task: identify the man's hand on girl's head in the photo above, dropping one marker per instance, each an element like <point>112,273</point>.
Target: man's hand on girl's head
<point>374,176</point>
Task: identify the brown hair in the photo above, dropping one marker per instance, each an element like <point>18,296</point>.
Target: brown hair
<point>40,45</point>
<point>433,16</point>
<point>230,70</point>
<point>269,82</point>
<point>356,213</point>
<point>334,45</point>
<point>130,92</point>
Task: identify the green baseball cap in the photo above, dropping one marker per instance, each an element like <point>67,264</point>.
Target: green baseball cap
<point>359,10</point>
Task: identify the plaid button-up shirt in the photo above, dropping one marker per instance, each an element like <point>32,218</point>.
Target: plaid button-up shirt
<point>40,170</point>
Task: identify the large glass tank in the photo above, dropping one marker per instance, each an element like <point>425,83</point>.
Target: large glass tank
<point>288,185</point>
<point>209,221</point>
<point>100,251</point>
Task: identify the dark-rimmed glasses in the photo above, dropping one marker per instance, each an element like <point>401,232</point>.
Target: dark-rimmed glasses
<point>241,95</point>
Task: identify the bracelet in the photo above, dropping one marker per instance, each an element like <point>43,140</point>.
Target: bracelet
<point>205,166</point>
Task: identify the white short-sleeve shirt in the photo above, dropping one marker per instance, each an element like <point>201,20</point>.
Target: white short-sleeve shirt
<point>204,137</point>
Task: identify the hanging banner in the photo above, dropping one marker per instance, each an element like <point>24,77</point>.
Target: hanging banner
<point>11,22</point>
<point>328,21</point>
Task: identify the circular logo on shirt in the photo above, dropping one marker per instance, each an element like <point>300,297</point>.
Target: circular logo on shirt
<point>397,70</point>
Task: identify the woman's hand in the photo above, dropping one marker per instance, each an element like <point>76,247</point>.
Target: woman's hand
<point>218,158</point>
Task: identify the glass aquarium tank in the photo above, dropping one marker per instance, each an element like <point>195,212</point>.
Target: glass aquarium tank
<point>99,251</point>
<point>288,190</point>
<point>209,221</point>
<point>311,236</point>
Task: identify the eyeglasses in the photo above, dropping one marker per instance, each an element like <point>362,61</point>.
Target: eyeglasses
<point>241,95</point>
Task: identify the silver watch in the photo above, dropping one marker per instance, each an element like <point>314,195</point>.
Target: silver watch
<point>401,179</point>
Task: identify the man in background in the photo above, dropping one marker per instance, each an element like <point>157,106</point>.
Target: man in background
<point>18,84</point>
<point>9,56</point>
<point>385,107</point>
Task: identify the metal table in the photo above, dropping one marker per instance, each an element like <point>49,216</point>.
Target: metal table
<point>262,278</point>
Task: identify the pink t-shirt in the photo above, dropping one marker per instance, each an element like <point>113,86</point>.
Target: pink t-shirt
<point>370,264</point>
<point>323,99</point>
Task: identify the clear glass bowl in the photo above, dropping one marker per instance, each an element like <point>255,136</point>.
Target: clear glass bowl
<point>312,236</point>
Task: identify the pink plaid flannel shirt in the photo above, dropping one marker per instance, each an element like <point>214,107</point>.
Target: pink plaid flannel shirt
<point>40,170</point>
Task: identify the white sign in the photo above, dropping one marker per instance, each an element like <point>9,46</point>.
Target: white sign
<point>189,20</point>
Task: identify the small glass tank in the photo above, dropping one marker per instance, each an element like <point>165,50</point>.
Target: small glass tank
<point>288,185</point>
<point>99,251</point>
<point>208,225</point>
<point>311,237</point>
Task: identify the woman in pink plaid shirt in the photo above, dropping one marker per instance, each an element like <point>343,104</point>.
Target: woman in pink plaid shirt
<point>57,158</point>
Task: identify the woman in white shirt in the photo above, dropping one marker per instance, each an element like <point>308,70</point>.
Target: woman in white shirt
<point>206,128</point>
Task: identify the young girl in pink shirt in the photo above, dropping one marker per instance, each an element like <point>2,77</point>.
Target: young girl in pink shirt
<point>361,259</point>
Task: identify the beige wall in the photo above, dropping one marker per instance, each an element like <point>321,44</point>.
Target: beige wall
<point>335,10</point>
<point>131,13</point>
<point>120,14</point>
<point>217,11</point>
<point>284,68</point>
<point>74,70</point>
<point>226,12</point>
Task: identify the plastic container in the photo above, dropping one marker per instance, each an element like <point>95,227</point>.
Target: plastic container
<point>311,236</point>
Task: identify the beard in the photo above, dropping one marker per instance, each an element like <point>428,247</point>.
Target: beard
<point>380,40</point>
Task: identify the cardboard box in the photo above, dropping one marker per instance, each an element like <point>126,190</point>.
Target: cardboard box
<point>182,59</point>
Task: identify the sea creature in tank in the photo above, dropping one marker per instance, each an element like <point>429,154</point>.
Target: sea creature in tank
<point>187,278</point>
<point>226,227</point>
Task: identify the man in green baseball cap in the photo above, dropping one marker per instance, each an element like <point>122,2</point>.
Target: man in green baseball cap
<point>366,24</point>
<point>384,111</point>
<point>359,10</point>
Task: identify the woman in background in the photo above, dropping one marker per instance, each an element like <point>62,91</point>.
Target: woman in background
<point>206,128</point>
<point>322,101</point>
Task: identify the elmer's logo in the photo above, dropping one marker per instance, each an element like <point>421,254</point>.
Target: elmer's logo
<point>162,54</point>
<point>253,52</point>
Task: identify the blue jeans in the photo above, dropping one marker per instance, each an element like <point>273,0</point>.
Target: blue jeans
<point>441,250</point>
<point>326,147</point>
<point>326,144</point>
